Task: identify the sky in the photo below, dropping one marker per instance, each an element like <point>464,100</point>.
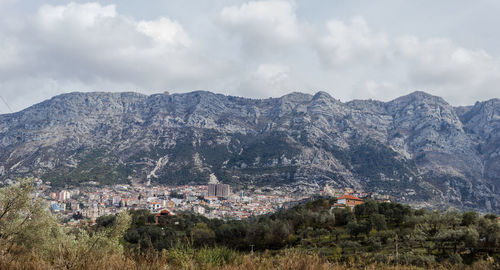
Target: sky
<point>352,49</point>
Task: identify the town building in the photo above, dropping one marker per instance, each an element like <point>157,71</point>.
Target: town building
<point>63,195</point>
<point>348,201</point>
<point>219,190</point>
<point>163,213</point>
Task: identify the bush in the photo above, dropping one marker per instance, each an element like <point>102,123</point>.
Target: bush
<point>215,256</point>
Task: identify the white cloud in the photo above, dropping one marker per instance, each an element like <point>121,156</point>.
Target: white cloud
<point>34,89</point>
<point>440,61</point>
<point>268,79</point>
<point>262,24</point>
<point>380,90</point>
<point>94,47</point>
<point>255,49</point>
<point>6,3</point>
<point>350,44</point>
<point>79,15</point>
<point>9,53</point>
<point>165,32</point>
<point>272,72</point>
<point>379,66</point>
<point>90,41</point>
<point>442,66</point>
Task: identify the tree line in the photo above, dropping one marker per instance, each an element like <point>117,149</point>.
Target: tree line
<point>371,233</point>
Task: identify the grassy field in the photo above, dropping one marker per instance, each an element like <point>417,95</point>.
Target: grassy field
<point>209,258</point>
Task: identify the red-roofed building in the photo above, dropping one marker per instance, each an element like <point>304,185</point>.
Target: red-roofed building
<point>163,213</point>
<point>338,205</point>
<point>349,200</point>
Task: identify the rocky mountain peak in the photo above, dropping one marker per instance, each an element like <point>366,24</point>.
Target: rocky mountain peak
<point>415,148</point>
<point>322,95</point>
<point>297,97</point>
<point>420,97</point>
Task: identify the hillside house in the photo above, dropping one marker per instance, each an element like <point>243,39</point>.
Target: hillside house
<point>348,201</point>
<point>163,213</point>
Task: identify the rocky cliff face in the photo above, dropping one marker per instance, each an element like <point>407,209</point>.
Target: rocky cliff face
<point>416,147</point>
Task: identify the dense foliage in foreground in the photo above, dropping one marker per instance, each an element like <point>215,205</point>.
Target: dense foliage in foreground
<point>372,233</point>
<point>308,236</point>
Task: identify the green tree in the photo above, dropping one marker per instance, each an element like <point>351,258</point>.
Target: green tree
<point>378,222</point>
<point>470,218</point>
<point>24,220</point>
<point>493,237</point>
<point>74,251</point>
<point>202,235</point>
<point>343,216</point>
<point>366,209</point>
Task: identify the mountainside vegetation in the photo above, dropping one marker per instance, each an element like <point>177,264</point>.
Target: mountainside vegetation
<point>372,233</point>
<point>416,148</point>
<point>308,236</point>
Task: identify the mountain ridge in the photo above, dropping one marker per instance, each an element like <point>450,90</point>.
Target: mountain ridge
<point>417,147</point>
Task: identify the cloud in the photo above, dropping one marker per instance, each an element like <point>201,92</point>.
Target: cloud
<point>254,49</point>
<point>91,41</point>
<point>9,53</point>
<point>350,44</point>
<point>440,65</point>
<point>165,32</point>
<point>267,80</point>
<point>438,61</point>
<point>94,47</point>
<point>262,24</point>
<point>377,65</point>
<point>75,15</point>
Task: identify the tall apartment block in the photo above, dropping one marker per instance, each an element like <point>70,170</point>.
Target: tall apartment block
<point>219,190</point>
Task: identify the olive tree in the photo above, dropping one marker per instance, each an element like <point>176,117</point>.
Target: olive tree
<point>24,220</point>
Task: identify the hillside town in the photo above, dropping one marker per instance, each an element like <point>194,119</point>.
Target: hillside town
<point>214,200</point>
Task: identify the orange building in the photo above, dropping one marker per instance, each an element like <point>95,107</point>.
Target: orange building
<point>349,201</point>
<point>163,213</point>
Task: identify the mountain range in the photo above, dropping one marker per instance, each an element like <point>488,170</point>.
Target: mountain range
<point>417,148</point>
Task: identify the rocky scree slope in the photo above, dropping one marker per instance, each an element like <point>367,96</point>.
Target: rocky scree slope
<point>417,147</point>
